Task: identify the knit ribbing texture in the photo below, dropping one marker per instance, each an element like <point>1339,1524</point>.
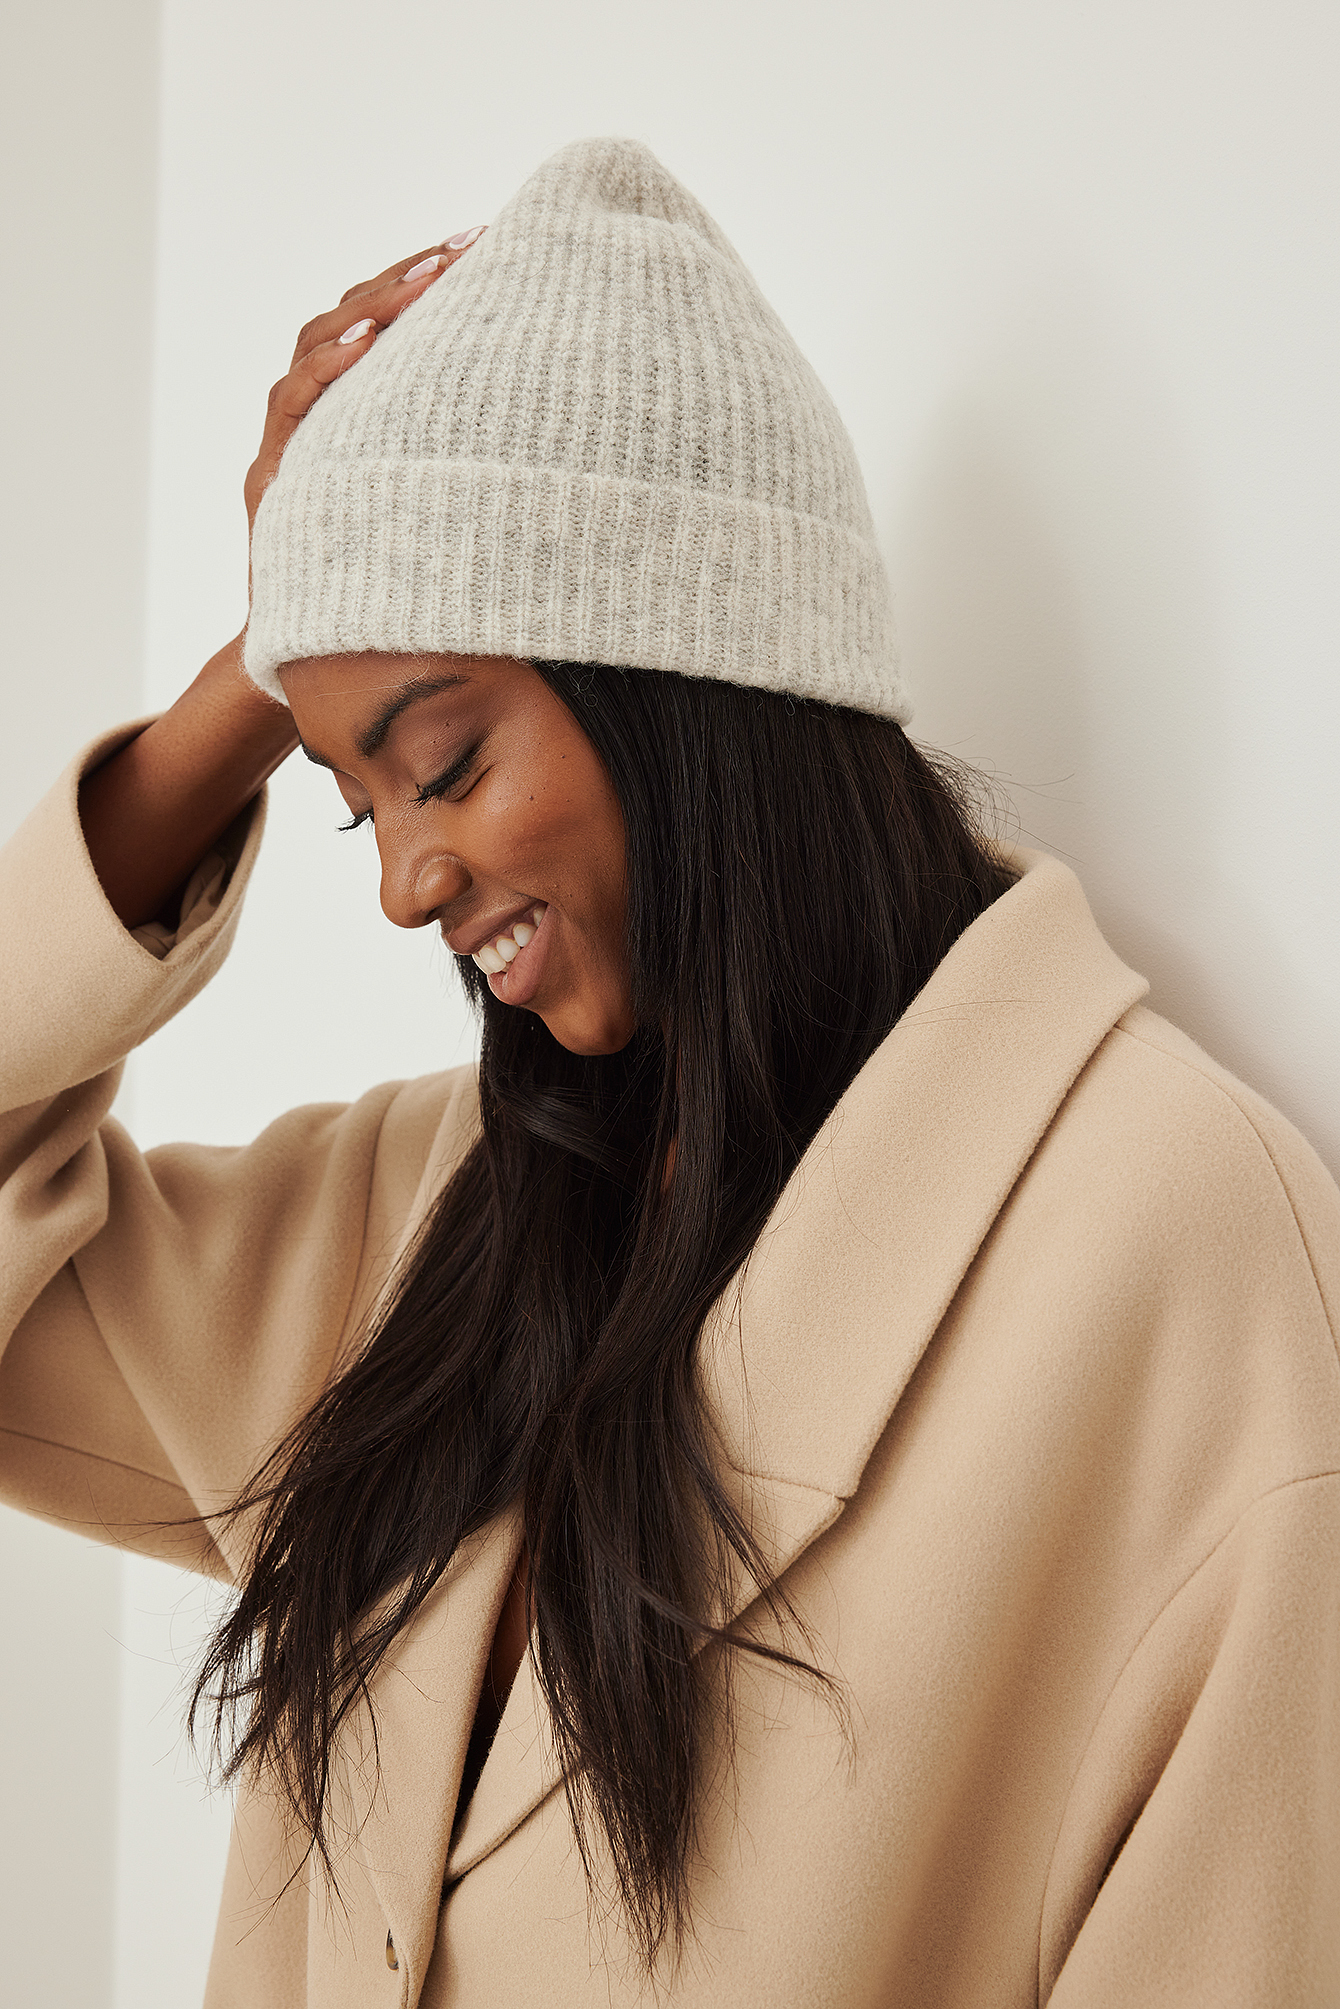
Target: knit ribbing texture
<point>591,440</point>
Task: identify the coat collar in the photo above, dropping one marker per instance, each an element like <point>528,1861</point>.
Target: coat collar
<point>804,1359</point>
<point>876,1229</point>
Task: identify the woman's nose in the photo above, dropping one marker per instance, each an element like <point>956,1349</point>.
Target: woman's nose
<point>416,888</point>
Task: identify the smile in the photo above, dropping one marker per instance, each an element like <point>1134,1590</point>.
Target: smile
<point>495,956</point>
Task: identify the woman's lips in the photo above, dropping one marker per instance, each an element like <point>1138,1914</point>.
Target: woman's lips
<point>515,981</point>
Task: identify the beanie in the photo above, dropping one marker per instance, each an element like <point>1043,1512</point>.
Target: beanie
<point>591,440</point>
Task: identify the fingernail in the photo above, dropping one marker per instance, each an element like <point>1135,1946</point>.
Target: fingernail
<point>464,237</point>
<point>357,332</point>
<point>423,268</point>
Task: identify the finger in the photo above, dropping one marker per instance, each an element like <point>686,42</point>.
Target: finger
<point>378,303</point>
<point>388,294</point>
<point>390,275</point>
<point>334,342</point>
<point>293,396</point>
<point>453,246</point>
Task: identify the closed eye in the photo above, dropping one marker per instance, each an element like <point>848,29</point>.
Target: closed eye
<point>432,791</point>
<point>451,777</point>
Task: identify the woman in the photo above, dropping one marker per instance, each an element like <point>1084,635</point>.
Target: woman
<point>814,1478</point>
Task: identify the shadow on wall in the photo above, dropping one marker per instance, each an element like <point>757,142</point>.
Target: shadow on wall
<point>1059,632</point>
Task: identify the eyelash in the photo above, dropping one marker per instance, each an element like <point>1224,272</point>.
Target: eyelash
<point>431,791</point>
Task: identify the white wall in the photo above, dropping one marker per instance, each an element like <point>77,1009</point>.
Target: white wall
<point>1069,272</point>
<point>78,114</point>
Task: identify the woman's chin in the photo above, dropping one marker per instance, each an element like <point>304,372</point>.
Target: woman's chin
<point>589,1034</point>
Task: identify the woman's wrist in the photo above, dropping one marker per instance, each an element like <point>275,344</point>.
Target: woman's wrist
<point>238,729</point>
<point>153,810</point>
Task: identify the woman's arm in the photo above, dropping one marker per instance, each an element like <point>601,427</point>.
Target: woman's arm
<point>153,810</point>
<point>164,1315</point>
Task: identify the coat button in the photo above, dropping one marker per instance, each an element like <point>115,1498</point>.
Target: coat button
<point>392,1960</point>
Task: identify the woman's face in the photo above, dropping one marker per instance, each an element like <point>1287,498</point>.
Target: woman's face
<point>494,820</point>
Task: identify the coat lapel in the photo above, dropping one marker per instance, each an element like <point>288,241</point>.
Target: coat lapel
<point>804,1358</point>
<point>522,1768</point>
<point>400,1786</point>
<point>805,1361</point>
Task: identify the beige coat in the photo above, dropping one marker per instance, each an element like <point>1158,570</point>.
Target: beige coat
<point>1032,1393</point>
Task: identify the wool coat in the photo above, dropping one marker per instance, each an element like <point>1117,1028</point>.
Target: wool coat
<point>1030,1394</point>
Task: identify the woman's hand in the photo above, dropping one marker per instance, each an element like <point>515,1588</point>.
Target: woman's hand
<point>333,343</point>
<point>153,810</point>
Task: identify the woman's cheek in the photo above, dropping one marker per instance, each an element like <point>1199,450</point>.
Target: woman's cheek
<point>510,832</point>
<point>539,830</point>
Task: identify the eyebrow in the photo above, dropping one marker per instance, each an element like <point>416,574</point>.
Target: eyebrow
<point>372,738</point>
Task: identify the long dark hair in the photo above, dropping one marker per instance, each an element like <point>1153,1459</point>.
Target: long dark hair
<point>795,873</point>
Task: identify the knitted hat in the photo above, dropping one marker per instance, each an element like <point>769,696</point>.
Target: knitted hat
<point>591,440</point>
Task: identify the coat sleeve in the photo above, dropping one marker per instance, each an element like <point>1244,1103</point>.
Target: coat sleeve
<point>1198,1865</point>
<point>165,1316</point>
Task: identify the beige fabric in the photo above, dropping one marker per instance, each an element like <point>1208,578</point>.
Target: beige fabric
<point>1032,1390</point>
<point>591,440</point>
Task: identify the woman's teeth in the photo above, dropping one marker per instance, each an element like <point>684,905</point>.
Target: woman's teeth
<point>494,957</point>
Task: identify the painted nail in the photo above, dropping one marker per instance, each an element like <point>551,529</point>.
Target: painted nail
<point>357,332</point>
<point>423,268</point>
<point>463,238</point>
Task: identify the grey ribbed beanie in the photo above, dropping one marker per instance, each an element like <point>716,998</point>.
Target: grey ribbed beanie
<point>590,440</point>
